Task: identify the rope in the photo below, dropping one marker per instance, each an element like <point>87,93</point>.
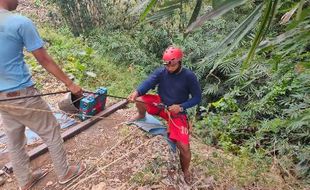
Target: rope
<point>171,120</point>
<point>32,96</point>
<point>47,111</point>
<point>70,115</point>
<point>62,92</point>
<point>111,163</point>
<point>103,156</point>
<point>88,116</point>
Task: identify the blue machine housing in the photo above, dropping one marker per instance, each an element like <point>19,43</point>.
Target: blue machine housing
<point>92,103</point>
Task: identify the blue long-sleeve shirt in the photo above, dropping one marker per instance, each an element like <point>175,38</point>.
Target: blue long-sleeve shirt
<point>181,88</point>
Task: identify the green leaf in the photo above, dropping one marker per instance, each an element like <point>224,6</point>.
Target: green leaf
<point>235,36</point>
<point>218,3</point>
<point>170,3</point>
<point>262,31</point>
<point>233,39</point>
<point>148,9</point>
<point>163,13</point>
<point>219,11</point>
<point>195,12</point>
<point>301,4</point>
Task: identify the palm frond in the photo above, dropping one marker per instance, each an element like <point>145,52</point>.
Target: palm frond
<point>239,32</point>
<point>138,9</point>
<point>227,67</point>
<point>163,13</point>
<point>148,9</point>
<point>267,18</point>
<point>219,11</point>
<point>238,77</point>
<point>211,89</point>
<point>299,11</point>
<point>195,12</point>
<point>217,3</point>
<point>233,39</point>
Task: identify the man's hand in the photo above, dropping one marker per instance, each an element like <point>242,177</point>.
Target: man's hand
<point>75,89</point>
<point>175,108</point>
<point>49,64</point>
<point>132,97</point>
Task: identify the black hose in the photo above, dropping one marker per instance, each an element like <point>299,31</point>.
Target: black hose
<point>32,96</point>
<point>62,92</point>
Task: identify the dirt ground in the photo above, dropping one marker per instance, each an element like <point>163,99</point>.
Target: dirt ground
<point>118,157</point>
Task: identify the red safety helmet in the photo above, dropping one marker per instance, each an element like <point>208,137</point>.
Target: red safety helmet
<point>172,54</point>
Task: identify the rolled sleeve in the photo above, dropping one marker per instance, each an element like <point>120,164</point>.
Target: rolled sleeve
<point>31,38</point>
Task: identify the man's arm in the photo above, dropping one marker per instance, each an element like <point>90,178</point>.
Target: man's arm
<point>33,43</point>
<point>150,82</point>
<point>146,85</point>
<point>49,64</point>
<point>195,92</point>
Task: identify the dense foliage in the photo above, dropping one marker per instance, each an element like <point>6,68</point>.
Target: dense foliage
<point>253,65</point>
<point>265,109</point>
<point>87,66</point>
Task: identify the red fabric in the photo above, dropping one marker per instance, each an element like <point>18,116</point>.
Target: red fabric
<point>177,123</point>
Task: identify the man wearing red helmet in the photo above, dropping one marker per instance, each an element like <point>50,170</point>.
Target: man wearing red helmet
<point>178,89</point>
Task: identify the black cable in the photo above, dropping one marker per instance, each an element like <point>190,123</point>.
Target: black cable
<point>62,92</point>
<point>113,96</point>
<point>32,96</point>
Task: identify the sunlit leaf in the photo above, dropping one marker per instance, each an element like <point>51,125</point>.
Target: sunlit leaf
<point>91,74</point>
<point>163,13</point>
<point>287,16</point>
<point>300,6</point>
<point>219,11</point>
<point>262,31</point>
<point>234,38</point>
<point>148,9</point>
